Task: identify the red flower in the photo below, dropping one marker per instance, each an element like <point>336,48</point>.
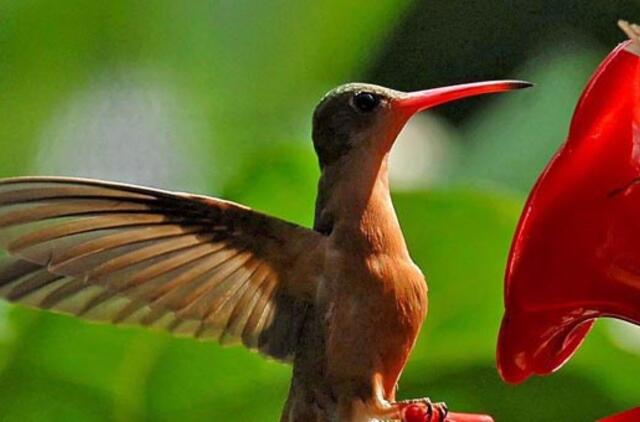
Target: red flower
<point>576,251</point>
<point>632,415</point>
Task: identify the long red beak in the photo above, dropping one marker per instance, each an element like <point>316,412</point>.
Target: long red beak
<point>415,102</point>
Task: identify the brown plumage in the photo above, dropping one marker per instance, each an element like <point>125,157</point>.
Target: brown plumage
<point>343,302</point>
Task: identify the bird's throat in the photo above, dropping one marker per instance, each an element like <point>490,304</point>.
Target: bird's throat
<point>354,203</point>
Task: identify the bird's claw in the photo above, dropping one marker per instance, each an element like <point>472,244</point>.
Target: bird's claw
<point>432,412</point>
<point>443,410</point>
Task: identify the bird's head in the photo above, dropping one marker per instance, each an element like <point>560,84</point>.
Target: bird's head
<point>359,118</point>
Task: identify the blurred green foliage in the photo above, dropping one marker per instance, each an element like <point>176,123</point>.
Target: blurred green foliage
<point>245,75</point>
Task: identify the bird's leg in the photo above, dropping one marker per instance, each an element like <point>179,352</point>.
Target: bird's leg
<point>379,406</point>
<point>433,412</point>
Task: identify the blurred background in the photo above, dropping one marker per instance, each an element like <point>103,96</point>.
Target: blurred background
<point>216,97</point>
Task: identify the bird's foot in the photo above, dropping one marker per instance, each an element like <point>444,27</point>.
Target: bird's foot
<point>423,410</point>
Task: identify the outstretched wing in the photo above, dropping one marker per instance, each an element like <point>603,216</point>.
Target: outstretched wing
<point>192,265</point>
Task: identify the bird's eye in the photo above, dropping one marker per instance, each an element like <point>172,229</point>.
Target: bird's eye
<point>366,101</point>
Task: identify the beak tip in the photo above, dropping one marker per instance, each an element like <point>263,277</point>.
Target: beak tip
<point>521,84</point>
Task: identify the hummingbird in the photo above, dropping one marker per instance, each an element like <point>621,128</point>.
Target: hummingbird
<point>342,301</point>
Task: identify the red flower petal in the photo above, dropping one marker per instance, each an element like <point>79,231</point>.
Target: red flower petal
<point>468,417</point>
<point>632,415</point>
<point>576,251</point>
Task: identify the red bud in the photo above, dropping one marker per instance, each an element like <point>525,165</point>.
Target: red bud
<point>414,413</point>
<point>418,413</point>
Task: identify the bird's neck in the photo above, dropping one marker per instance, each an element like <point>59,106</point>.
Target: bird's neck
<point>354,206</point>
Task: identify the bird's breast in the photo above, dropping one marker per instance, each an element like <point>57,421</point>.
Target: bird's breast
<point>375,308</point>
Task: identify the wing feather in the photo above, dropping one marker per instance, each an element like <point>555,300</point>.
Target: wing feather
<point>191,265</point>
